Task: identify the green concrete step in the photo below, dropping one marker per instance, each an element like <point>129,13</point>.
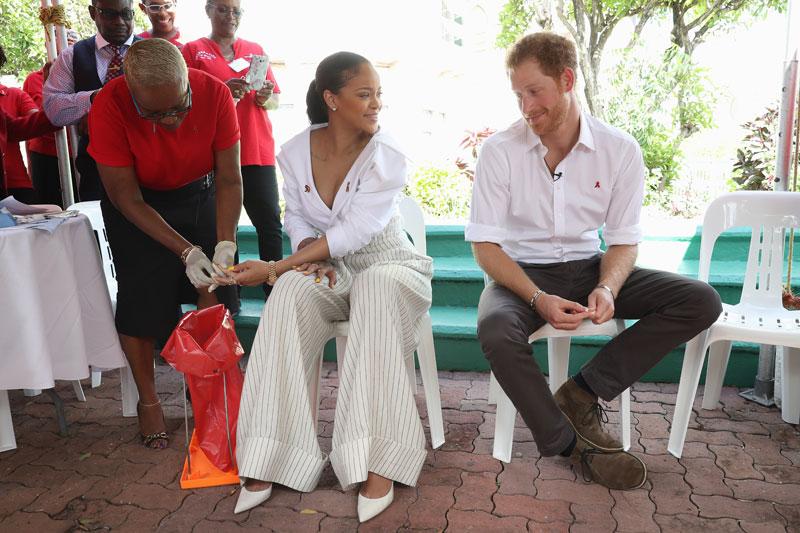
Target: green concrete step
<point>458,282</point>
<point>457,348</point>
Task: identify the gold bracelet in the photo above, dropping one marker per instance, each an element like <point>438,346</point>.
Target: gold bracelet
<point>272,275</point>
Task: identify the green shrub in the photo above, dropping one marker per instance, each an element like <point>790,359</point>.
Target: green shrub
<point>754,169</point>
<point>442,192</point>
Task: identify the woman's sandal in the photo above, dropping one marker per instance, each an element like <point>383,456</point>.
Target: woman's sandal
<point>154,441</point>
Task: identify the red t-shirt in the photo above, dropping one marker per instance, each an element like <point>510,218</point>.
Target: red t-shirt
<point>46,144</point>
<point>163,159</point>
<point>175,38</point>
<point>258,146</point>
<point>16,103</point>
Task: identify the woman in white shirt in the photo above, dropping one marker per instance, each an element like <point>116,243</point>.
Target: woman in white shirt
<point>343,180</point>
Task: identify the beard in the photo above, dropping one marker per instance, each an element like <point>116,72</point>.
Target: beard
<point>553,119</point>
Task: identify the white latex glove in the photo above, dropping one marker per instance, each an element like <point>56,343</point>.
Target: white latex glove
<point>223,254</point>
<point>223,258</point>
<point>199,269</point>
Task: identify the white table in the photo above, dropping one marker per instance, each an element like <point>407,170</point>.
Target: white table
<point>56,318</point>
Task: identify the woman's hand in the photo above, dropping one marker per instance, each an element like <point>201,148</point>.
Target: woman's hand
<point>237,86</point>
<point>263,94</point>
<point>250,273</point>
<point>319,270</point>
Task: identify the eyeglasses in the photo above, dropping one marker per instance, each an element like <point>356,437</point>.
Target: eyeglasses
<point>158,8</point>
<point>172,115</point>
<point>125,14</point>
<point>222,11</point>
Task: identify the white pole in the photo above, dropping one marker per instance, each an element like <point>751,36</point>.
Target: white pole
<point>783,157</point>
<point>52,42</point>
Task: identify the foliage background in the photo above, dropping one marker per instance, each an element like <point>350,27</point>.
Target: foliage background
<point>22,35</point>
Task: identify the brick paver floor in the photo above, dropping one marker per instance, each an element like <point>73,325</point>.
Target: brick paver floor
<point>740,471</point>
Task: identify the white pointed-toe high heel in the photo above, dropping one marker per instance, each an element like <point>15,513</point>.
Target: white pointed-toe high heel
<point>250,498</point>
<point>372,507</point>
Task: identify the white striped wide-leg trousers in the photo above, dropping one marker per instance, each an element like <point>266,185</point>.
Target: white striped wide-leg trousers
<point>384,291</point>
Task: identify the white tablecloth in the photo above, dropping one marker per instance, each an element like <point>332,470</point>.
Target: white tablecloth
<point>55,312</point>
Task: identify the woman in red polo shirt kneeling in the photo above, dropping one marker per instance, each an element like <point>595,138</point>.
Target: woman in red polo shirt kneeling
<point>166,142</point>
<point>228,58</point>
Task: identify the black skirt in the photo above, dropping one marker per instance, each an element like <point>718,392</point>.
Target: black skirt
<point>151,280</point>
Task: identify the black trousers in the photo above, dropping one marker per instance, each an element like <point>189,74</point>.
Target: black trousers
<point>26,196</point>
<point>261,203</point>
<point>91,188</point>
<point>670,309</point>
<point>45,177</point>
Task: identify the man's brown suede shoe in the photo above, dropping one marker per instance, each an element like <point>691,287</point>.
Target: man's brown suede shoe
<point>586,416</point>
<point>615,470</point>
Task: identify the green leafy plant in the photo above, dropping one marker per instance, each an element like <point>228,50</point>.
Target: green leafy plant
<point>22,35</point>
<point>754,169</point>
<point>442,192</point>
<point>470,144</point>
<point>645,103</point>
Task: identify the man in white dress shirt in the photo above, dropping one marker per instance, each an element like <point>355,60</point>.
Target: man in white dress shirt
<point>543,188</point>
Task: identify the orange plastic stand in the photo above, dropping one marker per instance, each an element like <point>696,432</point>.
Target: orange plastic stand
<point>204,474</point>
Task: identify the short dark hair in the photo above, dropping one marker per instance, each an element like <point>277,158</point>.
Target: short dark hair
<point>332,74</point>
<point>2,57</point>
<point>551,51</point>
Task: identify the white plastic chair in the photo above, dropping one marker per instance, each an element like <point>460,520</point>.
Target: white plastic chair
<point>759,317</point>
<point>414,225</point>
<point>130,396</point>
<point>558,344</point>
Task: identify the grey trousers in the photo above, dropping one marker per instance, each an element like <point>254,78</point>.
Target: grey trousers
<point>670,309</point>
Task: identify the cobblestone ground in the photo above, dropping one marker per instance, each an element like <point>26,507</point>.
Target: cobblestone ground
<point>740,471</point>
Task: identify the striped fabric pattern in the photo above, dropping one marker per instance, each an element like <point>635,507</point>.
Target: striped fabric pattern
<point>384,291</point>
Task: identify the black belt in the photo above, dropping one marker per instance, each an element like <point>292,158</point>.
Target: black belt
<point>197,186</point>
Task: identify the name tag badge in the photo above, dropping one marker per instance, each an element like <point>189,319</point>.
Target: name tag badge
<point>238,65</point>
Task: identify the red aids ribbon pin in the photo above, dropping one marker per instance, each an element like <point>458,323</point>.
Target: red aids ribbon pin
<point>596,184</point>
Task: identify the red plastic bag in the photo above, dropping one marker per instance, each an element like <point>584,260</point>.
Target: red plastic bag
<point>204,346</point>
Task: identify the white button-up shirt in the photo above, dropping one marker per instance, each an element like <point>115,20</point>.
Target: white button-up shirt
<point>364,204</point>
<point>541,218</point>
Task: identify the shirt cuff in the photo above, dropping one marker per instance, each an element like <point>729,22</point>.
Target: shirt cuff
<point>474,232</point>
<point>629,235</point>
<point>296,237</point>
<point>337,242</point>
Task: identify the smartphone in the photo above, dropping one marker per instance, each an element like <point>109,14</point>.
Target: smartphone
<point>257,74</point>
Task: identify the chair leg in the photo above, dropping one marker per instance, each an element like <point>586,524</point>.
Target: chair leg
<point>97,378</point>
<point>790,387</point>
<point>558,361</point>
<point>718,355</point>
<point>430,382</point>
<point>7,439</point>
<point>504,427</point>
<point>687,389</point>
<point>76,386</point>
<point>625,418</point>
<point>130,395</point>
<point>493,386</point>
